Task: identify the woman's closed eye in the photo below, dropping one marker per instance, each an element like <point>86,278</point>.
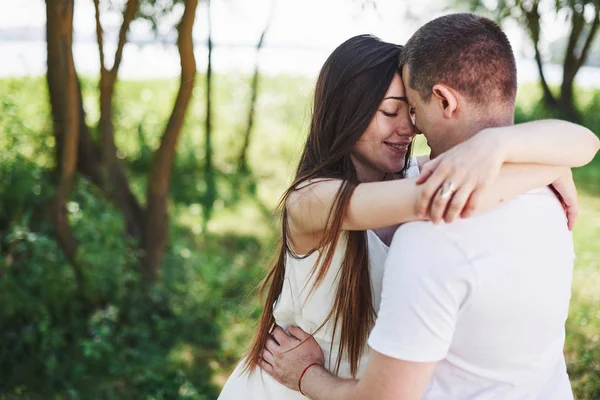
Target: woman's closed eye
<point>390,114</point>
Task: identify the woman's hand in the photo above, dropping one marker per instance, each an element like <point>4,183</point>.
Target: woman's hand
<point>565,187</point>
<point>453,182</point>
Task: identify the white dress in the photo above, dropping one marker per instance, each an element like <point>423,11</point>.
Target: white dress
<point>295,307</point>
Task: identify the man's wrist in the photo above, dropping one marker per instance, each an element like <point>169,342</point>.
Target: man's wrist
<point>312,375</point>
<point>303,374</point>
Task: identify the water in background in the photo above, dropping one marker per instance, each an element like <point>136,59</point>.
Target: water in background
<point>145,61</point>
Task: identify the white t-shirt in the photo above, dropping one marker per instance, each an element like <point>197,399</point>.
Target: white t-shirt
<point>486,297</point>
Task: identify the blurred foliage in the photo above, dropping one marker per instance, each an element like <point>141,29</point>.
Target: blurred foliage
<point>180,340</point>
<point>165,343</point>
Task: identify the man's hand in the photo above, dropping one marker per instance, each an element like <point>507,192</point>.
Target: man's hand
<point>286,355</point>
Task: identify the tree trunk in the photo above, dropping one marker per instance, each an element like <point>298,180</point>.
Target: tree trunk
<point>570,68</point>
<point>566,102</point>
<point>210,195</point>
<point>574,61</point>
<point>113,172</point>
<point>64,99</point>
<point>156,218</point>
<point>243,163</point>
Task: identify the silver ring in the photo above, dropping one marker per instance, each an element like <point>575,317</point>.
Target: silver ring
<point>446,190</point>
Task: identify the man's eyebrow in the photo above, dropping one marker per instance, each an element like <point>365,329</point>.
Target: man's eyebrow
<point>404,99</point>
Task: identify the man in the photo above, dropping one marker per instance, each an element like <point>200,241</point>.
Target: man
<point>474,309</point>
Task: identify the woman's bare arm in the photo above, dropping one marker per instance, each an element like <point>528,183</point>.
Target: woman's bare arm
<point>381,204</point>
<point>550,142</point>
<point>473,165</point>
<point>492,167</point>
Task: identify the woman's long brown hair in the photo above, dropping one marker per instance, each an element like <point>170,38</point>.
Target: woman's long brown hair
<point>349,91</point>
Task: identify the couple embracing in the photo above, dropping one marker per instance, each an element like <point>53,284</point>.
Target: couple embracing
<point>469,299</point>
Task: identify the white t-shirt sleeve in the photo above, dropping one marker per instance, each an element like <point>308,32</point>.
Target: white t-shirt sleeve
<point>427,281</point>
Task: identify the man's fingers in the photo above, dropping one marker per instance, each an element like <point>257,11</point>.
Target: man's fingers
<point>266,366</point>
<point>298,333</point>
<point>272,345</point>
<point>268,356</point>
<point>280,335</point>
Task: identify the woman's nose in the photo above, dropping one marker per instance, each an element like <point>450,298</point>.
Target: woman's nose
<point>406,128</point>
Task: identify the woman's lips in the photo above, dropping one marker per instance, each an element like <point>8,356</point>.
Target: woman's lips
<point>398,147</point>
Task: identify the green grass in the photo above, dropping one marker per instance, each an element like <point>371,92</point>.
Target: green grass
<point>226,261</point>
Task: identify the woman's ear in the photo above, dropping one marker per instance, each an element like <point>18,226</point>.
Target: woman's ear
<point>446,99</point>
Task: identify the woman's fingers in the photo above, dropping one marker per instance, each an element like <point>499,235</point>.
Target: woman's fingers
<point>572,212</point>
<point>473,202</point>
<point>446,191</point>
<point>430,189</point>
<point>428,169</point>
<point>458,202</point>
<point>441,200</point>
<point>565,186</point>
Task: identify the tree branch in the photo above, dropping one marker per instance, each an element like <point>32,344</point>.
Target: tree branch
<point>99,36</point>
<point>570,62</point>
<point>242,164</point>
<point>128,15</point>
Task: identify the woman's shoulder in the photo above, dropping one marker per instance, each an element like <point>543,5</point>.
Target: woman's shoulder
<point>311,187</point>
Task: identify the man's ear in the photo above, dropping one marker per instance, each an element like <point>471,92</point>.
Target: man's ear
<point>447,100</point>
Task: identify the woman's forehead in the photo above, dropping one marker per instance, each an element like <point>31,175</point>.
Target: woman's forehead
<point>396,89</point>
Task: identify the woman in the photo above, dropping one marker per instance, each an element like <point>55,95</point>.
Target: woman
<point>327,277</point>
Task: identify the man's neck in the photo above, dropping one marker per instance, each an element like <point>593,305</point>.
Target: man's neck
<point>460,133</point>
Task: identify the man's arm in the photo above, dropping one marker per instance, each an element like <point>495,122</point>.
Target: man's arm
<point>386,378</point>
<point>427,282</point>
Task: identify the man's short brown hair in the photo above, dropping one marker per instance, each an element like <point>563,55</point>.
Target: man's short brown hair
<point>467,52</point>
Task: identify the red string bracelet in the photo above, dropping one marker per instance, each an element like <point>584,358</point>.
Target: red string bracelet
<point>302,376</point>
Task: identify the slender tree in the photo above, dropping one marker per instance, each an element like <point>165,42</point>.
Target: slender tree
<point>243,163</point>
<point>209,173</point>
